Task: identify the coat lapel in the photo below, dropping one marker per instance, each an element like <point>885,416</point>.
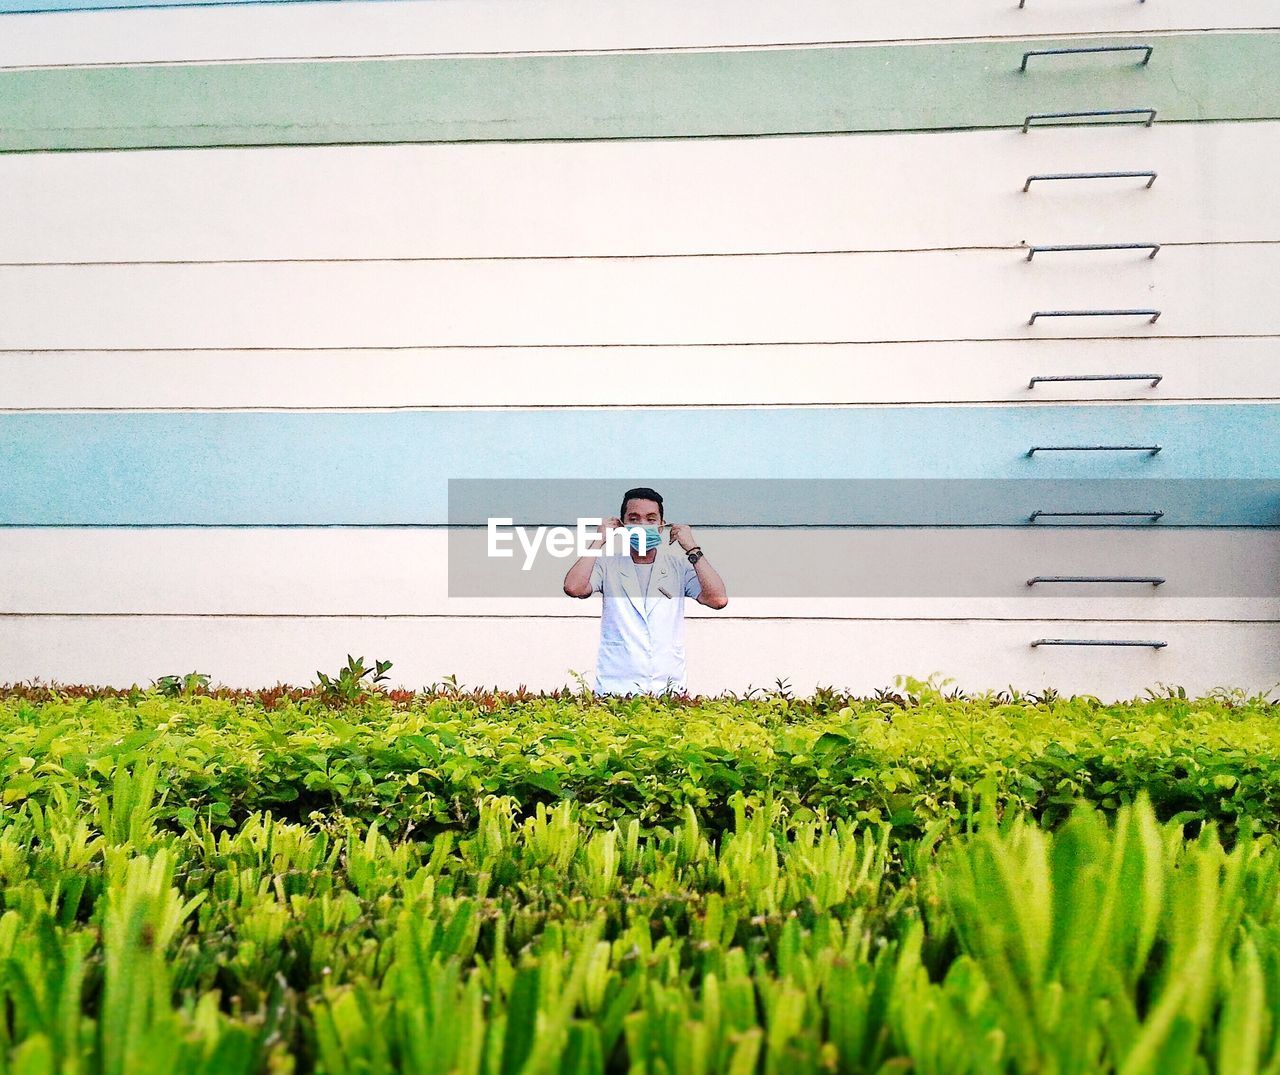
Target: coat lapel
<point>630,583</point>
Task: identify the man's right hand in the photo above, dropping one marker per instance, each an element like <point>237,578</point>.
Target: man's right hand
<point>611,523</point>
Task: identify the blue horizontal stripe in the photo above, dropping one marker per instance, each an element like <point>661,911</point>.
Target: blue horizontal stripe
<point>263,468</point>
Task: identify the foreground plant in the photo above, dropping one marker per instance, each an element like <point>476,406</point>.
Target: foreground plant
<point>547,940</point>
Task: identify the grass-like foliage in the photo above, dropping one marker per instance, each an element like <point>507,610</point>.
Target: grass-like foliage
<point>503,886</point>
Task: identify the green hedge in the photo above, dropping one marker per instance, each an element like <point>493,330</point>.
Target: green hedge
<point>908,757</point>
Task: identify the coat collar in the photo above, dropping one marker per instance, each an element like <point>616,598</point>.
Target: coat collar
<point>663,575</point>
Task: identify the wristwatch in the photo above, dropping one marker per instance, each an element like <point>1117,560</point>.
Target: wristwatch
<point>696,554</point>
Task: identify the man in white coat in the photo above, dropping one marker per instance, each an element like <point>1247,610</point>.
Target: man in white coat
<point>643,590</point>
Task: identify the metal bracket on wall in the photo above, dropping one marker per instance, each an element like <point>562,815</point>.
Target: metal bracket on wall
<point>1154,580</point>
<point>1147,49</point>
<point>1150,113</point>
<point>1077,247</point>
<point>1152,515</point>
<point>1150,449</point>
<point>1150,177</point>
<point>1154,644</point>
<point>1153,314</point>
<point>1154,378</point>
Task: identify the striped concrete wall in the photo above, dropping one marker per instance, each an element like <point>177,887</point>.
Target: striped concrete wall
<point>272,274</point>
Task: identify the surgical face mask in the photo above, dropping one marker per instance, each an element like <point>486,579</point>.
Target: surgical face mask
<point>642,543</point>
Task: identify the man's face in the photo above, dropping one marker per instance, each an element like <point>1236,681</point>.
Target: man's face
<point>642,513</point>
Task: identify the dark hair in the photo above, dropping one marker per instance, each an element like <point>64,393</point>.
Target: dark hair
<point>642,492</point>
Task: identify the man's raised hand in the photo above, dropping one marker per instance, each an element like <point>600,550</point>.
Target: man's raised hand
<point>602,531</point>
<point>682,533</point>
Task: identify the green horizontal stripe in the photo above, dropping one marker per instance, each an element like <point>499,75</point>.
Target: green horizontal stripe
<point>651,95</point>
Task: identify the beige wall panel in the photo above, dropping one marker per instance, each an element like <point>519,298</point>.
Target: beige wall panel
<point>451,26</point>
<point>1201,291</point>
<point>737,654</point>
<point>1216,183</point>
<point>957,573</point>
<point>1190,369</point>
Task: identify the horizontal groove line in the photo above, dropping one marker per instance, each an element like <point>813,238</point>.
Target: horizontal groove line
<point>619,345</point>
<point>1011,126</point>
<point>709,405</point>
<point>392,348</point>
<point>1038,527</point>
<point>587,257</point>
<point>593,616</point>
<point>759,46</point>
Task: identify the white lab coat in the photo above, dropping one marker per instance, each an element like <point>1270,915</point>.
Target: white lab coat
<point>642,637</point>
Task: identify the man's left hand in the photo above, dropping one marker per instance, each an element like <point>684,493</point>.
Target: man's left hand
<point>682,533</point>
